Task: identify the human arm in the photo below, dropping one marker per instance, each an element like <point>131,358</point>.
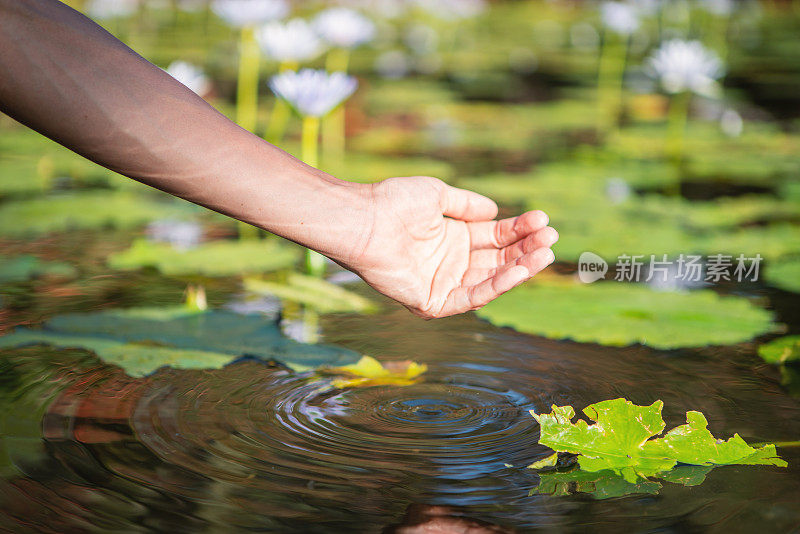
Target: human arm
<point>428,245</point>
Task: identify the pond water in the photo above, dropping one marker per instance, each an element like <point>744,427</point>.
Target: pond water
<point>254,447</point>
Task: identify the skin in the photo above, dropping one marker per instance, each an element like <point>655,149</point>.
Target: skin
<point>434,248</point>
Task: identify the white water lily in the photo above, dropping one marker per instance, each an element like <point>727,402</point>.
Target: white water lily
<point>191,76</point>
<point>619,17</point>
<point>313,93</point>
<point>344,28</point>
<point>242,13</point>
<point>111,9</point>
<point>293,41</point>
<point>686,66</point>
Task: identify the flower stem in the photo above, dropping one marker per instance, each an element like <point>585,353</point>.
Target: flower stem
<point>315,262</point>
<point>247,86</point>
<point>333,127</point>
<point>610,76</point>
<point>676,126</point>
<point>281,112</point>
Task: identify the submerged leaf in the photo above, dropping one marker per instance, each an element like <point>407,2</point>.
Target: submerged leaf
<point>548,461</point>
<point>216,258</point>
<point>604,484</point>
<point>623,314</point>
<point>623,440</point>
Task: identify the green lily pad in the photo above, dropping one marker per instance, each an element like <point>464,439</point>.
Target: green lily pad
<point>623,440</point>
<point>620,314</point>
<point>313,292</point>
<point>784,274</point>
<point>781,350</point>
<point>78,211</point>
<point>23,268</point>
<point>215,258</point>
<point>141,340</point>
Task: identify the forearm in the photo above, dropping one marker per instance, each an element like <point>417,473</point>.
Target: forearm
<point>69,79</point>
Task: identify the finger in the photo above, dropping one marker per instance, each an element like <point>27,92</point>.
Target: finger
<point>499,234</point>
<point>490,258</point>
<point>506,278</point>
<point>466,205</point>
<point>531,260</point>
<point>544,238</point>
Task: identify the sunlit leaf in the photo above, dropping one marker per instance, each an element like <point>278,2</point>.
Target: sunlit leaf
<point>216,258</point>
<point>617,313</point>
<point>623,440</point>
<point>784,274</point>
<point>781,350</point>
<point>370,372</point>
<point>313,292</point>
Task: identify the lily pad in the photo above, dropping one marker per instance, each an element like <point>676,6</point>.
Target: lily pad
<point>370,372</point>
<point>78,211</point>
<point>313,292</point>
<point>784,274</point>
<point>623,440</point>
<point>26,267</point>
<point>620,314</point>
<point>140,340</point>
<point>782,350</point>
<point>215,258</point>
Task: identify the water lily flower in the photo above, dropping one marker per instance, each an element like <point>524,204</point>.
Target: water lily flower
<point>686,66</point>
<point>619,17</point>
<point>191,76</point>
<point>291,42</point>
<point>313,93</point>
<point>242,13</point>
<point>111,9</point>
<point>344,28</point>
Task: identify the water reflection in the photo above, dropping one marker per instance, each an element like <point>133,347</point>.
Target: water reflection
<point>257,447</point>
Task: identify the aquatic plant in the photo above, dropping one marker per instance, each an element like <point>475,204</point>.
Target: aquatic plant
<point>112,9</point>
<point>25,267</point>
<point>343,29</point>
<point>290,44</point>
<point>625,440</point>
<point>784,274</point>
<point>142,340</point>
<point>620,20</point>
<point>89,210</point>
<point>313,292</point>
<point>246,15</point>
<point>618,314</point>
<point>370,372</point>
<point>782,350</point>
<point>191,76</point>
<point>214,258</point>
<point>313,94</point>
<point>683,68</point>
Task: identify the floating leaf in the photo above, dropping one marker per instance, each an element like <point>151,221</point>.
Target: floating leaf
<point>313,292</point>
<point>143,339</point>
<point>784,274</point>
<point>781,350</point>
<point>548,461</point>
<point>78,211</point>
<point>370,372</point>
<point>623,314</point>
<point>216,258</point>
<point>22,268</point>
<point>623,441</point>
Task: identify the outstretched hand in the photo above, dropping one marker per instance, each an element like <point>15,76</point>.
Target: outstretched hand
<point>437,250</point>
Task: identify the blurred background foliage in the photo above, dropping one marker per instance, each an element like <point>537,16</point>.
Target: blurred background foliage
<point>552,105</point>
